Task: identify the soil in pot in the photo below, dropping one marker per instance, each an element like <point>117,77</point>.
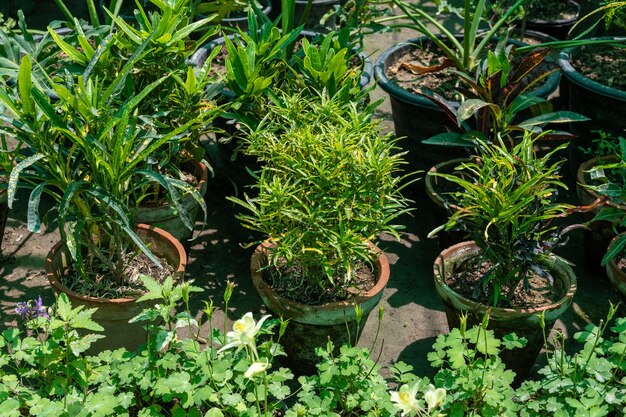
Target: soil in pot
<point>311,326</point>
<point>603,64</point>
<point>553,17</point>
<point>114,313</point>
<point>523,321</point>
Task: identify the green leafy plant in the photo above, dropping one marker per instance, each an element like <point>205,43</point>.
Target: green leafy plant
<point>92,157</point>
<point>463,54</point>
<point>496,96</point>
<point>45,370</point>
<point>587,383</point>
<point>329,183</point>
<point>472,373</point>
<point>507,207</point>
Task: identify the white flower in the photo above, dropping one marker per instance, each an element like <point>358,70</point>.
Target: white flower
<point>434,397</point>
<point>405,400</point>
<point>244,333</point>
<point>256,368</point>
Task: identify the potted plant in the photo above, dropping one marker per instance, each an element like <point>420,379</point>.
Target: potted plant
<point>6,164</point>
<point>398,72</point>
<point>322,196</point>
<point>185,96</point>
<point>93,160</point>
<point>507,209</point>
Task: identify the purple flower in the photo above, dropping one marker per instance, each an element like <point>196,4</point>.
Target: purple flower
<point>30,310</point>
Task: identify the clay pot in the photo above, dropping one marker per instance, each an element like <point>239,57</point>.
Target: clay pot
<point>600,233</point>
<point>433,191</point>
<point>114,314</point>
<point>311,326</point>
<point>166,217</point>
<point>616,275</point>
<point>523,322</point>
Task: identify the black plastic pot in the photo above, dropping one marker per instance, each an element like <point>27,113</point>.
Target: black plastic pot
<point>319,8</point>
<point>417,118</point>
<point>556,28</point>
<point>10,7</point>
<point>604,105</point>
<point>241,21</point>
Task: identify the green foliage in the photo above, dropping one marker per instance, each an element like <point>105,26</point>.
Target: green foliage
<point>588,383</point>
<point>507,207</point>
<point>463,54</point>
<point>477,382</point>
<point>93,157</point>
<point>262,63</point>
<point>348,382</point>
<point>329,183</point>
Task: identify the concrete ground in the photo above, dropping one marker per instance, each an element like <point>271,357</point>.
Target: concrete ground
<point>413,314</point>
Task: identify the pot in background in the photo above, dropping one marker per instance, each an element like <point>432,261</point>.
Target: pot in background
<point>311,326</point>
<point>114,314</point>
<point>604,105</point>
<point>434,192</point>
<point>523,322</point>
<point>166,217</point>
<point>558,28</point>
<point>616,275</point>
<point>600,233</point>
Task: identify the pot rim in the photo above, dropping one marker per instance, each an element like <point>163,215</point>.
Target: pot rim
<point>187,200</point>
<point>391,88</point>
<point>60,246</point>
<point>564,61</point>
<point>581,180</point>
<point>266,11</point>
<point>612,264</point>
<point>383,273</point>
<point>569,294</point>
<point>559,22</point>
<point>429,179</point>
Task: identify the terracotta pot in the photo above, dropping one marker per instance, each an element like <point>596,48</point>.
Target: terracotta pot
<point>311,326</point>
<point>616,275</point>
<point>523,322</point>
<point>114,314</point>
<point>166,217</point>
<point>433,191</point>
<point>600,233</point>
<point>558,28</point>
<point>4,214</point>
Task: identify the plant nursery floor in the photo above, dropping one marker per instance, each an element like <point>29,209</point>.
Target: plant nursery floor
<point>413,313</point>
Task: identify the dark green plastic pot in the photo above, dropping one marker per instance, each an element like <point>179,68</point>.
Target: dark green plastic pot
<point>605,106</point>
<point>556,28</point>
<point>417,118</point>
